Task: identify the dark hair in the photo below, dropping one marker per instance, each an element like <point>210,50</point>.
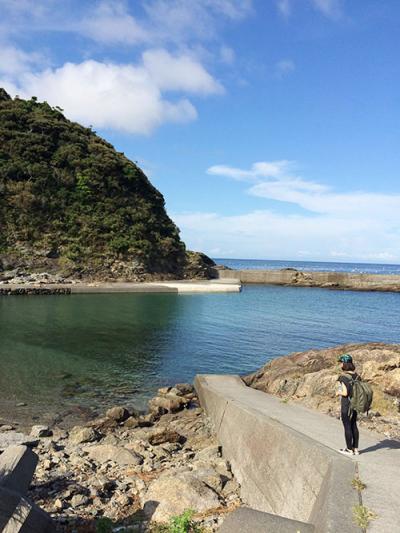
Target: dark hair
<point>348,367</point>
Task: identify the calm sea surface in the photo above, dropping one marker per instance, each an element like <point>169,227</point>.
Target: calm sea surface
<point>66,354</point>
<point>258,264</point>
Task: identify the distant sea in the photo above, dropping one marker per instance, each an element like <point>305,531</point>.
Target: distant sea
<point>316,266</point>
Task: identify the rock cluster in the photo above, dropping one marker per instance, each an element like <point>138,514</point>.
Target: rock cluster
<point>135,469</point>
<point>310,377</point>
<point>20,276</point>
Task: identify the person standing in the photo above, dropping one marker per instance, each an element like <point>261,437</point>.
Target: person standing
<point>348,414</point>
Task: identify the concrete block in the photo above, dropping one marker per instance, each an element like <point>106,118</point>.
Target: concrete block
<point>246,520</point>
<point>17,466</point>
<point>18,515</point>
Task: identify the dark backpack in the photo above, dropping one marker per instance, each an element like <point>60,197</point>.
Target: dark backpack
<point>361,395</point>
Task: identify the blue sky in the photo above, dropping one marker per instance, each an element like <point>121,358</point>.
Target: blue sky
<point>270,126</point>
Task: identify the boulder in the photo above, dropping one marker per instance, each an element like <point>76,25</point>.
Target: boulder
<point>107,452</point>
<point>14,438</point>
<point>41,431</point>
<point>170,403</point>
<point>119,414</point>
<point>210,477</point>
<point>79,435</point>
<point>184,388</point>
<point>162,436</point>
<point>172,495</point>
<point>131,422</point>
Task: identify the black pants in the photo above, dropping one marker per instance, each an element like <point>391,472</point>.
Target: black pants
<point>350,429</point>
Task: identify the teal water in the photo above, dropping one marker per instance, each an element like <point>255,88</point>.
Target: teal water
<point>67,354</point>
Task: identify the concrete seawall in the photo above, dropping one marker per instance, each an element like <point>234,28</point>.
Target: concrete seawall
<point>330,280</point>
<point>281,471</point>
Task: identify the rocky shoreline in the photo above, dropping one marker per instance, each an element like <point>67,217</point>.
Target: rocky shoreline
<point>310,378</point>
<point>112,471</point>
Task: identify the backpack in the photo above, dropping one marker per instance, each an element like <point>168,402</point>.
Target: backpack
<point>361,395</point>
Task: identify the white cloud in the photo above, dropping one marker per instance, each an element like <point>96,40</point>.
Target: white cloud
<point>284,68</point>
<point>284,8</point>
<point>122,97</point>
<point>227,55</point>
<point>262,169</point>
<point>350,225</point>
<point>111,23</point>
<point>329,8</point>
<point>182,20</point>
<point>179,73</point>
<point>13,61</point>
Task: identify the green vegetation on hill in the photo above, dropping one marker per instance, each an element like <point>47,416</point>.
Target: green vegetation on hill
<point>70,203</point>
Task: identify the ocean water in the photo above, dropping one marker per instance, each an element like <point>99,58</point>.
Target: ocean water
<point>69,355</point>
<point>260,264</point>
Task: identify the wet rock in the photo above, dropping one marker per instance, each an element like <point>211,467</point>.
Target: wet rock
<point>79,435</point>
<point>107,452</point>
<point>185,388</point>
<point>119,414</point>
<point>172,495</point>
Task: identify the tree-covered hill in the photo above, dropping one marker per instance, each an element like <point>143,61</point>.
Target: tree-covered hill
<point>70,203</point>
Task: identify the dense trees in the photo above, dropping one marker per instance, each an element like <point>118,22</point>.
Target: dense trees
<point>67,195</point>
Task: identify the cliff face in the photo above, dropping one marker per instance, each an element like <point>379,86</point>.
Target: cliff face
<point>310,378</point>
<point>69,203</point>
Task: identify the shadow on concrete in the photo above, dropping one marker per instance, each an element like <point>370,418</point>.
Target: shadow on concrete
<point>389,444</point>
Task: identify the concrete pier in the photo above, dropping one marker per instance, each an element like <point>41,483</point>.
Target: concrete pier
<point>285,458</point>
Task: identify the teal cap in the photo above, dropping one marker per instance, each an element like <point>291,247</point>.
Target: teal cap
<point>345,358</point>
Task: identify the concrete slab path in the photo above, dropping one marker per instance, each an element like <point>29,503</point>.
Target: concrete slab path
<point>378,463</point>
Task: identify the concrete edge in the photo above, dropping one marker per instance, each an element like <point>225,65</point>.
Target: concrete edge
<point>334,502</point>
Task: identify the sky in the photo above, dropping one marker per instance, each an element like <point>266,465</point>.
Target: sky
<point>271,127</point>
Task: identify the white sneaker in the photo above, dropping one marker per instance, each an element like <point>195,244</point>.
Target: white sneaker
<point>346,451</point>
<point>356,452</point>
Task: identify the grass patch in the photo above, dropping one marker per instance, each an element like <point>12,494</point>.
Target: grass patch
<point>358,484</point>
<point>284,400</point>
<point>180,524</point>
<point>363,516</point>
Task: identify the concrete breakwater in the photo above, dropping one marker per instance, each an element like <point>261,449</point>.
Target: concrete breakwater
<point>329,280</point>
<point>176,287</point>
